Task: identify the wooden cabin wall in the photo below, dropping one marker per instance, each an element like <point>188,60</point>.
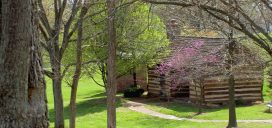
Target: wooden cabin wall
<point>155,89</point>
<point>154,84</point>
<point>181,91</point>
<point>196,92</point>
<point>248,86</point>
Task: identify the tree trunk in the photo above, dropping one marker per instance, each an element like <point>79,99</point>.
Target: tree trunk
<point>201,95</point>
<point>134,77</point>
<point>22,86</point>
<point>111,76</point>
<point>58,100</point>
<point>162,84</point>
<point>232,105</point>
<point>55,62</point>
<point>77,70</point>
<point>232,111</point>
<point>57,90</point>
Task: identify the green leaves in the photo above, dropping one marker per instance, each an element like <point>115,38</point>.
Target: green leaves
<point>141,37</point>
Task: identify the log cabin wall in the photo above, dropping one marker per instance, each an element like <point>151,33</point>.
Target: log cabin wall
<point>155,86</point>
<point>248,87</point>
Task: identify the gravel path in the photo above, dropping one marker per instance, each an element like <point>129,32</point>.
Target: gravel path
<point>139,107</point>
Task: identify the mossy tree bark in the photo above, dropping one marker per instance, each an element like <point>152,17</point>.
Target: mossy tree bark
<point>23,101</point>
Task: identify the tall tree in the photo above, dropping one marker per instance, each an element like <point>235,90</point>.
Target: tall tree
<point>77,72</point>
<point>111,69</point>
<point>232,105</point>
<point>22,85</point>
<point>57,31</point>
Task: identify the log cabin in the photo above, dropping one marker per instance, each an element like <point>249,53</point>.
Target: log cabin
<point>208,83</point>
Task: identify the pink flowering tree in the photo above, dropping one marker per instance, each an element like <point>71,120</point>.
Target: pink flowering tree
<point>191,62</point>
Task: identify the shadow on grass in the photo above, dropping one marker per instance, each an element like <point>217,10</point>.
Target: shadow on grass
<point>86,107</point>
<point>101,94</point>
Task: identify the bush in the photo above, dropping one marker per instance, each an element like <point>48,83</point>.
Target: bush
<point>133,92</point>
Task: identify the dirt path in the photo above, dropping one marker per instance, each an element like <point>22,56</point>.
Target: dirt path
<point>139,107</point>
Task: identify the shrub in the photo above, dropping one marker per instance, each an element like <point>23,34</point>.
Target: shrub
<point>133,92</point>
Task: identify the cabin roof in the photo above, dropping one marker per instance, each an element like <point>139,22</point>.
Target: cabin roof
<point>241,53</point>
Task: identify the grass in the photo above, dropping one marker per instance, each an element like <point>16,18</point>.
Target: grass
<point>91,111</point>
<point>255,112</point>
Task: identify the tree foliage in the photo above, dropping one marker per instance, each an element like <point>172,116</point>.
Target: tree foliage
<point>141,39</point>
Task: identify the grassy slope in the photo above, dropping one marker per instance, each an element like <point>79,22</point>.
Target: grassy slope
<point>92,112</point>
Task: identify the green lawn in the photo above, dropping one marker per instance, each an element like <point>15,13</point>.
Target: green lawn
<point>179,110</point>
<point>91,112</point>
